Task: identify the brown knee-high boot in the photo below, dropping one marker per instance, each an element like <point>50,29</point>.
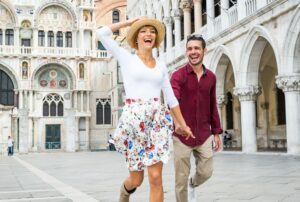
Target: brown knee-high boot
<point>125,194</point>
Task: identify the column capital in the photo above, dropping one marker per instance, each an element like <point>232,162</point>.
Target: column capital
<point>247,93</point>
<point>288,83</point>
<point>221,100</point>
<point>186,5</point>
<point>167,21</point>
<point>177,13</point>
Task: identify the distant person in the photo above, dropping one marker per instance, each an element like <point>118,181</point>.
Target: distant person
<point>10,146</point>
<point>227,139</point>
<point>194,86</point>
<point>111,145</point>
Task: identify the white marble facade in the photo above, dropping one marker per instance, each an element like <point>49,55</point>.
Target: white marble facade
<point>53,76</point>
<point>254,50</point>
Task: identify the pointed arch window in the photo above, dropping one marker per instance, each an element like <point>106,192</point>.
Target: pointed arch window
<point>9,37</point>
<point>103,114</point>
<point>41,38</point>
<point>115,19</point>
<point>59,39</point>
<point>6,89</point>
<point>53,105</point>
<point>50,39</point>
<point>69,39</point>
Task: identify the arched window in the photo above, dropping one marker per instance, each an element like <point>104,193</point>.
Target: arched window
<point>1,34</point>
<point>217,4</point>
<point>59,39</point>
<point>69,39</point>
<point>6,89</point>
<point>50,39</point>
<point>41,40</point>
<point>53,105</point>
<point>103,114</point>
<point>229,111</point>
<point>115,19</point>
<point>280,107</point>
<point>9,37</point>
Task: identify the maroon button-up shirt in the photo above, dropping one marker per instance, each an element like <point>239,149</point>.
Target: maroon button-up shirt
<point>198,104</point>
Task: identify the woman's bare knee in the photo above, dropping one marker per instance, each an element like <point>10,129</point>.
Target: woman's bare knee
<point>155,174</point>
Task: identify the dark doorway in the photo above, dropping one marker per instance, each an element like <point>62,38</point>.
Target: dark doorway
<point>53,137</point>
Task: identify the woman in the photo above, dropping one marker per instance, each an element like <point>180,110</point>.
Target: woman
<point>145,127</point>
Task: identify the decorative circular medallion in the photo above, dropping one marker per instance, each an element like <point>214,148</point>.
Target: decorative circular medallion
<point>53,74</point>
<point>43,83</point>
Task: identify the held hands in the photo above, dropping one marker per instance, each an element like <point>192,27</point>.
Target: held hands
<point>184,131</point>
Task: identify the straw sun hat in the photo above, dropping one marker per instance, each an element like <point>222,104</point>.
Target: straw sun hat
<point>135,27</point>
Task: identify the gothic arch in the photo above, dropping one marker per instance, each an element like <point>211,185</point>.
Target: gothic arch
<point>65,69</point>
<point>254,45</point>
<point>6,4</point>
<point>64,4</point>
<point>9,71</point>
<point>291,42</point>
<point>220,59</point>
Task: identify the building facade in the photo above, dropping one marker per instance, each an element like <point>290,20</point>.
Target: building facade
<point>55,80</point>
<point>254,50</point>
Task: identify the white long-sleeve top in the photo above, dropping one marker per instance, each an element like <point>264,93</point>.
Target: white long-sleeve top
<point>140,81</point>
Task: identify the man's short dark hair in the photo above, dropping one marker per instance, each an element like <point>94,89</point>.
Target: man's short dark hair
<point>197,37</point>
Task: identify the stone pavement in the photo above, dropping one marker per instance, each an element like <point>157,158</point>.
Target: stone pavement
<point>96,176</point>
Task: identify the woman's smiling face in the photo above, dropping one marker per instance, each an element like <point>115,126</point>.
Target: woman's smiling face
<point>146,37</point>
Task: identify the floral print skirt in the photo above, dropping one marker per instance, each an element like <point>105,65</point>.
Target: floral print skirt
<point>144,133</point>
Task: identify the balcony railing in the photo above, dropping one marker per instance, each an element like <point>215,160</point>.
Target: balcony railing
<point>52,52</point>
<point>251,6</point>
<point>232,15</point>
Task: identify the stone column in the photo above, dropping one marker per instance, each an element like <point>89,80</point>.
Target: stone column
<point>247,96</point>
<point>55,38</point>
<point>93,39</point>
<point>71,130</point>
<point>210,17</point>
<point>30,101</point>
<point>224,13</point>
<point>88,101</point>
<point>17,36</point>
<point>64,39</point>
<point>186,6</point>
<point>81,40</point>
<point>75,100</point>
<point>198,14</point>
<point>176,16</point>
<point>46,38</point>
<point>74,39</point>
<point>23,131</point>
<point>168,24</point>
<point>87,132</point>
<point>21,99</point>
<point>291,88</point>
<point>81,101</point>
<point>35,38</point>
<point>221,103</point>
<point>15,128</point>
<point>3,36</point>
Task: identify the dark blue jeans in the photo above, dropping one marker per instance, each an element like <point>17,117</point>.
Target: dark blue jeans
<point>10,151</point>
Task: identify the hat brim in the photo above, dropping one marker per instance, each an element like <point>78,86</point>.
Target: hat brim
<point>132,32</point>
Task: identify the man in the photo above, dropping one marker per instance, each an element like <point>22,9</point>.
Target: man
<point>195,88</point>
<point>10,145</point>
